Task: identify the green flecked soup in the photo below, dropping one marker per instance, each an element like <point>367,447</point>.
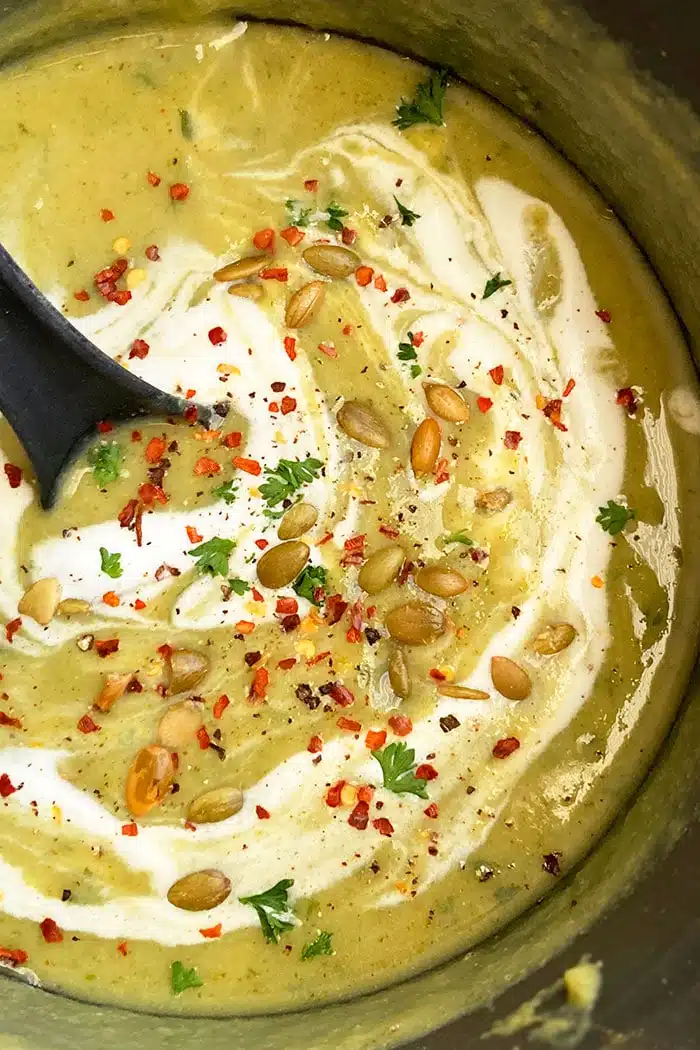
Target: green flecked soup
<point>315,693</point>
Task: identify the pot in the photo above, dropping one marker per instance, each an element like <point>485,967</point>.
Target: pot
<point>613,86</point>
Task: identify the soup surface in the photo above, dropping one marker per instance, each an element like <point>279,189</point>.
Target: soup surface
<point>305,698</point>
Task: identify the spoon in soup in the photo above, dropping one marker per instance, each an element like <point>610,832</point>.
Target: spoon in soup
<point>56,386</point>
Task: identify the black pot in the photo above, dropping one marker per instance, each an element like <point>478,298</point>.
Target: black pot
<point>615,85</point>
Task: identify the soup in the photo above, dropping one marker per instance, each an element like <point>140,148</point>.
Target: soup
<point>319,688</point>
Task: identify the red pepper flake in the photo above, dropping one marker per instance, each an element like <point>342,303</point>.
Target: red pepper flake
<point>404,572</point>
<point>14,955</point>
<point>625,397</point>
<point>155,449</point>
<point>275,273</point>
<point>365,793</point>
<point>262,813</point>
<point>82,296</point>
<point>220,705</point>
<point>111,598</point>
<point>192,535</point>
<point>14,475</point>
<point>437,674</point>
<point>250,466</point>
<point>442,474</point>
<point>375,739</point>
<point>122,948</point>
<point>335,608</point>
<point>497,374</point>
<point>359,818</point>
<point>207,467</point>
<point>328,349</point>
<point>121,298</point>
<point>7,788</point>
<point>131,829</point>
<point>389,530</point>
<point>51,932</point>
<point>212,932</point>
<point>139,604</point>
<point>383,826</point>
<point>258,687</point>
<point>232,440</point>
<point>432,811</point>
<point>152,494</point>
<point>380,283</point>
<point>179,191</point>
<point>311,185</point>
<point>348,236</point>
<point>290,347</point>
<point>189,826</point>
<point>315,745</point>
<point>136,435</point>
<point>106,215</point>
<point>288,664</point>
<point>273,407</point>
<point>292,235</point>
<point>152,253</point>
<point>484,404</point>
<point>401,725</point>
<point>139,348</point>
<point>604,315</point>
<point>165,650</point>
<point>12,628</point>
<point>190,415</point>
<point>503,748</point>
<point>286,606</point>
<point>87,724</point>
<point>261,544</point>
<point>333,794</point>
<point>354,548</point>
<point>127,514</point>
<point>106,646</point>
<point>257,596</point>
<point>426,772</point>
<point>569,387</point>
<point>288,405</point>
<point>349,724</point>
<point>105,427</point>
<point>7,720</point>
<point>217,336</point>
<point>203,738</point>
<point>340,693</point>
<point>552,410</point>
<point>512,439</point>
<point>264,240</point>
<point>363,275</point>
<point>401,295</point>
<point>153,179</point>
<point>417,338</point>
<point>244,627</point>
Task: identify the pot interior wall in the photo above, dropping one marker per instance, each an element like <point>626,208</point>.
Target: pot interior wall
<point>551,65</point>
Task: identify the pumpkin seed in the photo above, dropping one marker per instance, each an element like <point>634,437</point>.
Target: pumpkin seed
<point>247,291</point>
<point>114,687</point>
<point>380,569</point>
<point>362,423</point>
<point>187,669</point>
<point>416,623</point>
<point>331,260</point>
<point>441,581</point>
<point>510,679</point>
<point>149,780</point>
<point>73,607</point>
<point>179,724</point>
<point>554,638</point>
<point>200,891</point>
<point>303,304</point>
<point>446,403</point>
<point>425,447</point>
<point>281,564</point>
<point>461,692</point>
<point>217,804</point>
<point>493,501</point>
<point>251,266</point>
<point>399,678</point>
<point>41,600</point>
<point>297,520</point>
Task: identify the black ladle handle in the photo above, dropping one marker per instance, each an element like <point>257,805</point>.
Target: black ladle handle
<point>55,385</point>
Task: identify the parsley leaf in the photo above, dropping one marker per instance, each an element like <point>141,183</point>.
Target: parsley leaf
<point>227,491</point>
<point>493,284</point>
<point>320,945</point>
<point>398,762</point>
<point>407,352</point>
<point>213,556</point>
<point>273,909</point>
<point>106,462</point>
<point>111,564</point>
<point>336,214</point>
<point>309,581</point>
<point>288,476</point>
<point>297,214</point>
<point>238,586</point>
<point>181,978</point>
<point>459,537</point>
<point>408,217</point>
<point>426,105</point>
<point>186,124</point>
<point>613,517</point>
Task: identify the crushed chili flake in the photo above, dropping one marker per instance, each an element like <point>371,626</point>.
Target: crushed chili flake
<point>111,598</point>
<point>426,772</point>
<point>192,535</point>
<point>484,404</point>
<point>569,387</point>
<point>505,747</point>
<point>441,472</point>
<point>349,724</point>
<point>12,628</point>
<point>335,608</point>
<point>354,548</point>
<point>363,275</point>
<point>86,724</point>
<point>380,283</point>
<point>404,572</point>
<point>264,240</point>
<point>220,706</point>
<point>261,544</point>
<point>552,410</point>
<point>273,407</point>
<point>348,236</point>
<point>105,427</point>
<point>152,253</point>
<point>153,179</point>
<point>136,435</point>
<point>7,720</point>
<point>597,582</point>
<point>131,829</point>
<point>290,347</point>
<point>13,475</point>
<point>217,335</point>
<point>14,955</point>
<point>497,374</point>
<point>401,295</point>
<point>190,415</point>
<point>328,349</point>
<point>258,687</point>
<point>155,449</point>
<point>207,467</point>
<point>139,348</point>
<point>288,405</point>
<point>375,739</point>
<point>122,948</point>
<point>262,813</point>
<point>249,466</point>
<point>139,604</point>
<point>288,664</point>
<point>256,595</point>
<point>383,826</point>
<point>432,811</point>
<point>333,794</point>
<point>292,235</point>
<point>275,273</point>
<point>203,738</point>
<point>359,818</point>
<point>211,932</point>
<point>315,745</point>
<point>121,297</point>
<point>82,296</point>
<point>401,725</point>
<point>152,494</point>
<point>437,674</point>
<point>51,931</point>
<point>106,646</point>
<point>317,659</point>
<point>244,627</point>
<point>512,439</point>
<point>366,794</point>
<point>179,191</point>
<point>7,788</point>
<point>127,514</point>
<point>311,185</point>
<point>340,694</point>
<point>106,215</point>
<point>604,315</point>
<point>625,397</point>
<point>286,606</point>
<point>232,440</point>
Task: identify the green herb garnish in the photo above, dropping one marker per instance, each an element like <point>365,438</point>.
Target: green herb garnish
<point>426,105</point>
<point>227,491</point>
<point>458,537</point>
<point>181,978</point>
<point>398,762</point>
<point>320,945</point>
<point>287,477</point>
<point>212,556</point>
<point>238,586</point>
<point>111,564</point>
<point>309,581</point>
<point>336,214</point>
<point>297,214</point>
<point>613,517</point>
<point>186,124</point>
<point>493,284</point>
<point>407,352</point>
<point>106,462</point>
<point>273,909</point>
<point>408,217</point>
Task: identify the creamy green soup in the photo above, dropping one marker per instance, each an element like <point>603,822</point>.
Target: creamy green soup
<point>307,697</point>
